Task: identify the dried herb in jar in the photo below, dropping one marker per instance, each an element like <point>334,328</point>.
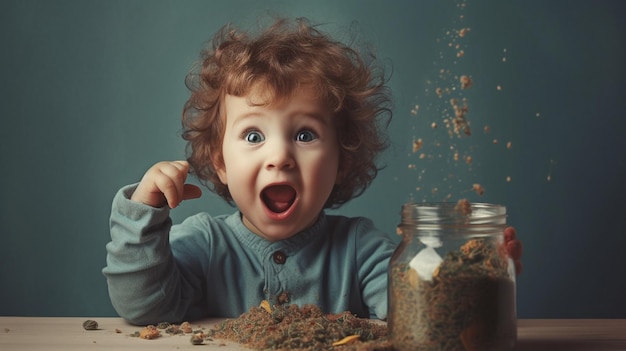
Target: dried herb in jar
<point>466,305</point>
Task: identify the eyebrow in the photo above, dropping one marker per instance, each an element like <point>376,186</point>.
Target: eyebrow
<point>319,116</point>
<point>243,117</point>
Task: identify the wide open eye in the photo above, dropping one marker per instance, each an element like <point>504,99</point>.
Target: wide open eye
<point>306,136</point>
<point>254,137</point>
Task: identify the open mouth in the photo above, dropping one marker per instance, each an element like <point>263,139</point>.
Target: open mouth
<point>278,198</point>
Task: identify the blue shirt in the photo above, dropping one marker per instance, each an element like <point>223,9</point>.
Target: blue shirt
<point>213,266</point>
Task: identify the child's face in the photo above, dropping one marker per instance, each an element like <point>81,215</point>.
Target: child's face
<point>280,162</point>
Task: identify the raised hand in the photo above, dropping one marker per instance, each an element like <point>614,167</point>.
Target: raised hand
<point>164,183</point>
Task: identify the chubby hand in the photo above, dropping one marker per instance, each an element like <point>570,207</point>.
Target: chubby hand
<point>164,183</point>
<point>513,248</point>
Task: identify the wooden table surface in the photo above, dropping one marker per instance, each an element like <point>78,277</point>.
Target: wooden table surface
<point>67,333</point>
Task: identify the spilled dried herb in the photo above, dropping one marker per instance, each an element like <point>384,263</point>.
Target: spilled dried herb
<point>90,324</point>
<point>149,332</point>
<point>290,327</point>
<point>468,304</point>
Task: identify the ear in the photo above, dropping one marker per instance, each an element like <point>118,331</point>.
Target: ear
<point>220,169</point>
<point>221,173</point>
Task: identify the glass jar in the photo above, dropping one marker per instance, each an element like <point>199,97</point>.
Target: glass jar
<point>451,281</point>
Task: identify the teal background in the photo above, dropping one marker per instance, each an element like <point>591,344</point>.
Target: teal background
<point>91,94</point>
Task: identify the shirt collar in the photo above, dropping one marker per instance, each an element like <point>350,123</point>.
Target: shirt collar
<point>288,246</point>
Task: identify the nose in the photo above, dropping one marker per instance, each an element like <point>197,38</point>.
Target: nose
<point>280,155</point>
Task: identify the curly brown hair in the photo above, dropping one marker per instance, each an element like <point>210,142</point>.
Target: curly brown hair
<point>281,58</point>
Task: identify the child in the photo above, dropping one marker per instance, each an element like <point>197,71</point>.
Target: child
<point>284,125</point>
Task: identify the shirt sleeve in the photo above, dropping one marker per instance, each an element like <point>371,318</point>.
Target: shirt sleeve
<point>145,284</point>
<point>374,250</point>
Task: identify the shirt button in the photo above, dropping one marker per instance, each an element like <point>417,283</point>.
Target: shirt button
<point>279,257</point>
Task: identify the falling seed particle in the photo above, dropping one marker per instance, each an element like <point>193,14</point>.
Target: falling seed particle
<point>487,129</point>
<point>417,144</point>
<point>433,125</point>
<point>499,88</point>
<point>495,141</point>
<point>508,179</point>
<point>468,160</point>
<point>467,130</point>
<point>463,32</point>
<point>509,145</point>
<point>478,189</point>
<point>466,82</point>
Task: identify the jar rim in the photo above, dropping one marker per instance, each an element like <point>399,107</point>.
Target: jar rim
<point>448,213</point>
